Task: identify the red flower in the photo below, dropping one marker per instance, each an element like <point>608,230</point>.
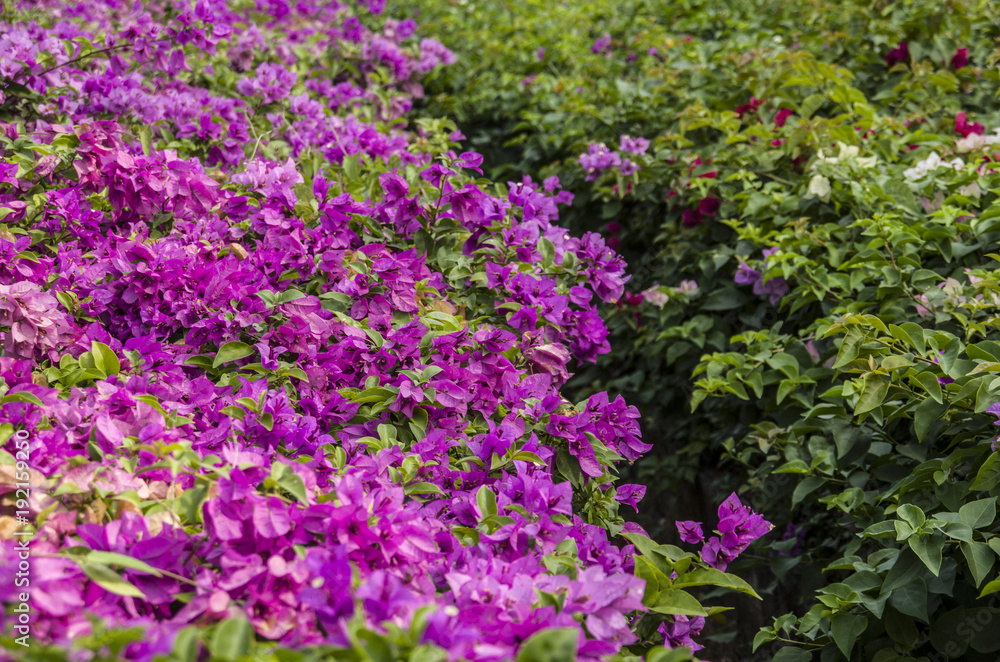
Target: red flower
<point>709,206</point>
<point>960,58</point>
<point>899,54</point>
<point>691,218</point>
<point>782,116</point>
<point>707,175</point>
<point>751,107</point>
<point>962,126</point>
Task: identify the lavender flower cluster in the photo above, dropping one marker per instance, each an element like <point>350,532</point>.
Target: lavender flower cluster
<point>599,158</point>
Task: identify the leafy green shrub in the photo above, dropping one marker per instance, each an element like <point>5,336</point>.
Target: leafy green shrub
<point>838,350</point>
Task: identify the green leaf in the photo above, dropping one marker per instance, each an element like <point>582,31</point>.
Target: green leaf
<point>928,548</point>
<point>675,601</point>
<point>726,298</point>
<point>185,648</point>
<point>105,358</point>
<point>846,628</point>
<point>958,531</point>
<point>915,333</point>
<point>988,476</point>
<point>926,414</point>
<point>557,645</point>
<point>848,349</point>
<point>288,480</point>
<point>528,456</point>
<point>763,637</point>
<point>913,515</point>
<point>910,599</point>
<point>266,420</point>
<point>930,382</point>
<point>145,138</point>
<point>980,558</point>
<point>660,654</point>
<point>110,580</point>
<point>231,639</point>
<point>232,351</point>
<point>713,577</point>
<point>423,488</point>
<point>806,487</point>
<point>200,360</point>
<point>112,558</point>
<point>979,514</point>
<point>990,588</point>
<point>547,250</point>
<point>21,396</point>
<point>880,530</point>
<point>642,543</point>
<point>792,654</point>
<point>949,633</point>
<point>487,501</point>
<point>872,393</point>
<point>895,362</point>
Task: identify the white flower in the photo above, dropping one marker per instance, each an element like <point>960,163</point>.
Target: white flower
<point>974,142</point>
<point>930,164</point>
<point>654,296</point>
<point>972,190</point>
<point>849,155</point>
<point>931,206</point>
<point>970,143</point>
<point>820,187</point>
<point>687,287</point>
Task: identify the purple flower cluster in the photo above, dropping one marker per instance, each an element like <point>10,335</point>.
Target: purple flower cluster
<point>739,526</point>
<point>37,327</point>
<point>602,45</point>
<point>316,422</point>
<point>270,82</point>
<point>297,366</point>
<point>599,158</point>
<point>633,145</point>
<point>775,288</point>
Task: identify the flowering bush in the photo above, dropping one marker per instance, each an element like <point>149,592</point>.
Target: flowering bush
<point>824,173</point>
<point>283,378</point>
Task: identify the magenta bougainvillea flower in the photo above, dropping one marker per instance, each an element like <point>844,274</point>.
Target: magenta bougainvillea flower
<point>782,116</point>
<point>900,54</point>
<point>691,532</point>
<point>633,145</point>
<point>749,108</point>
<point>959,59</point>
<point>963,127</point>
<point>37,326</point>
<point>602,45</point>
<point>775,288</point>
<point>738,527</point>
<point>598,159</point>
